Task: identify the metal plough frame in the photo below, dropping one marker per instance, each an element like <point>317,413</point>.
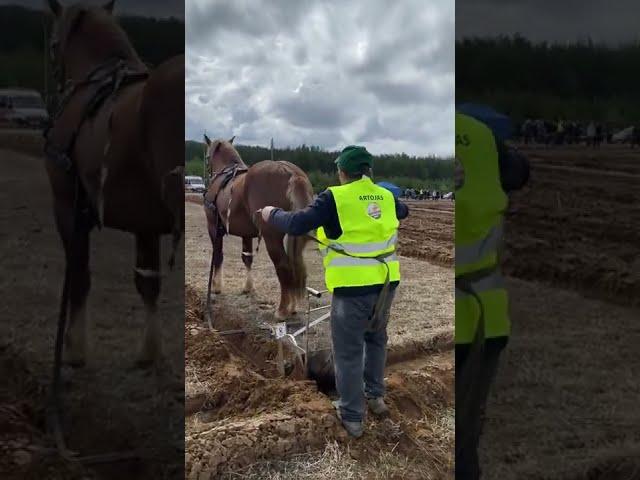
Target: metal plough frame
<point>289,339</point>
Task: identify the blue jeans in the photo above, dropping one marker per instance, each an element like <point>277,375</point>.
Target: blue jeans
<point>359,355</point>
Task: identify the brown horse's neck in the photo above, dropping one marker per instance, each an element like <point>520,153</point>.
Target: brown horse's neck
<point>98,40</point>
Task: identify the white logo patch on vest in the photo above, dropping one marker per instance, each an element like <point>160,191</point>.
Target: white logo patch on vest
<point>373,210</point>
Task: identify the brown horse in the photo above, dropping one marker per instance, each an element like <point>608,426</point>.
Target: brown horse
<point>114,158</point>
<point>236,192</point>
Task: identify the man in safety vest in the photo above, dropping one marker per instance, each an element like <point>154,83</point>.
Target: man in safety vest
<point>357,231</point>
<point>485,170</point>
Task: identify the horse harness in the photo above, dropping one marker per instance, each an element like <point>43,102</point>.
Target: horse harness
<point>228,175</point>
<point>103,83</point>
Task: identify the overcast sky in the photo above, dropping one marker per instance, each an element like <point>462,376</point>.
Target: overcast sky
<point>327,73</point>
<point>611,22</point>
<point>145,8</point>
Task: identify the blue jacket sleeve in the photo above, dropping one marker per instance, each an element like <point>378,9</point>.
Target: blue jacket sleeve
<point>402,210</point>
<point>318,214</point>
<point>514,168</point>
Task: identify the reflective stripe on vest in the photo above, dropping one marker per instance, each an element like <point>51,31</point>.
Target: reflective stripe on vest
<point>367,217</point>
<point>495,281</point>
<point>475,253</point>
<point>343,261</point>
<point>362,248</point>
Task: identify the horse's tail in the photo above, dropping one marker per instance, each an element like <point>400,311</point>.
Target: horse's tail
<point>300,195</point>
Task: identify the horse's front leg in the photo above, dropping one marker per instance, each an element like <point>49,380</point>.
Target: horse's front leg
<point>247,259</point>
<point>147,280</point>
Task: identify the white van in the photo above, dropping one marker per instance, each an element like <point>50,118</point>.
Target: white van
<point>193,183</point>
<point>23,108</point>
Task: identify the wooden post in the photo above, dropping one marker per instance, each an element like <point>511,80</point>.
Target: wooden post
<point>204,164</point>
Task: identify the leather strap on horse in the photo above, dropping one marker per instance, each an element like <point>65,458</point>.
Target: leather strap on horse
<point>378,320</point>
<point>228,175</point>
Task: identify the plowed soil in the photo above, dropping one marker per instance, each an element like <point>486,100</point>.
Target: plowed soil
<point>564,402</point>
<point>428,232</point>
<point>243,416</point>
<point>585,198</point>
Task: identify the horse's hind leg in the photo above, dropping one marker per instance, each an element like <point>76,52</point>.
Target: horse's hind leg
<point>247,259</point>
<point>147,279</point>
<point>278,256</point>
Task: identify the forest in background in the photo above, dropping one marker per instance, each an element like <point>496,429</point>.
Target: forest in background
<point>579,81</point>
<point>402,170</point>
<point>23,40</point>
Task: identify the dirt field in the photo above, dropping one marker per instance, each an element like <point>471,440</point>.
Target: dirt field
<point>564,404</point>
<point>428,232</point>
<point>578,197</point>
<point>108,404</point>
<point>245,419</point>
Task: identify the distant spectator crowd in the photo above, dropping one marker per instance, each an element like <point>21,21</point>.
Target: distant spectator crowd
<point>568,132</point>
<point>424,194</point>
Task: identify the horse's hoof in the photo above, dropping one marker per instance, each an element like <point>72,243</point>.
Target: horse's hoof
<point>217,291</point>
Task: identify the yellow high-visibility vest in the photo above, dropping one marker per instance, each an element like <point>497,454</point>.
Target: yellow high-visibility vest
<point>480,205</point>
<point>367,215</point>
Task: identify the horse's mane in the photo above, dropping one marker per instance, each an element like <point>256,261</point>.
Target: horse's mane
<point>227,151</point>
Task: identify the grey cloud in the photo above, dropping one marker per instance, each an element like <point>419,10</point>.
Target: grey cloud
<point>300,55</point>
<point>323,73</point>
<point>397,92</point>
<point>312,113</point>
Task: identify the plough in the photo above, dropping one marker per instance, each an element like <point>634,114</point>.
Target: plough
<point>290,340</point>
<point>316,365</point>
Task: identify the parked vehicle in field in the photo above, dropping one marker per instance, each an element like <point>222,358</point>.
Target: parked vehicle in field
<point>23,108</point>
<point>194,183</point>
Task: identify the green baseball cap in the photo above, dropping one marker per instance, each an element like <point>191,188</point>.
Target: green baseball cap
<point>352,158</point>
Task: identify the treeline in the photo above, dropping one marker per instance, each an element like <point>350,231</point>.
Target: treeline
<point>22,54</point>
<point>582,80</point>
<point>403,170</point>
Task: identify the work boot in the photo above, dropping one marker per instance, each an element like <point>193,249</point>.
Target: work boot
<point>355,429</point>
<point>378,407</point>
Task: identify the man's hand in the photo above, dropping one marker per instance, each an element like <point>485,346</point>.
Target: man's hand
<point>266,213</point>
